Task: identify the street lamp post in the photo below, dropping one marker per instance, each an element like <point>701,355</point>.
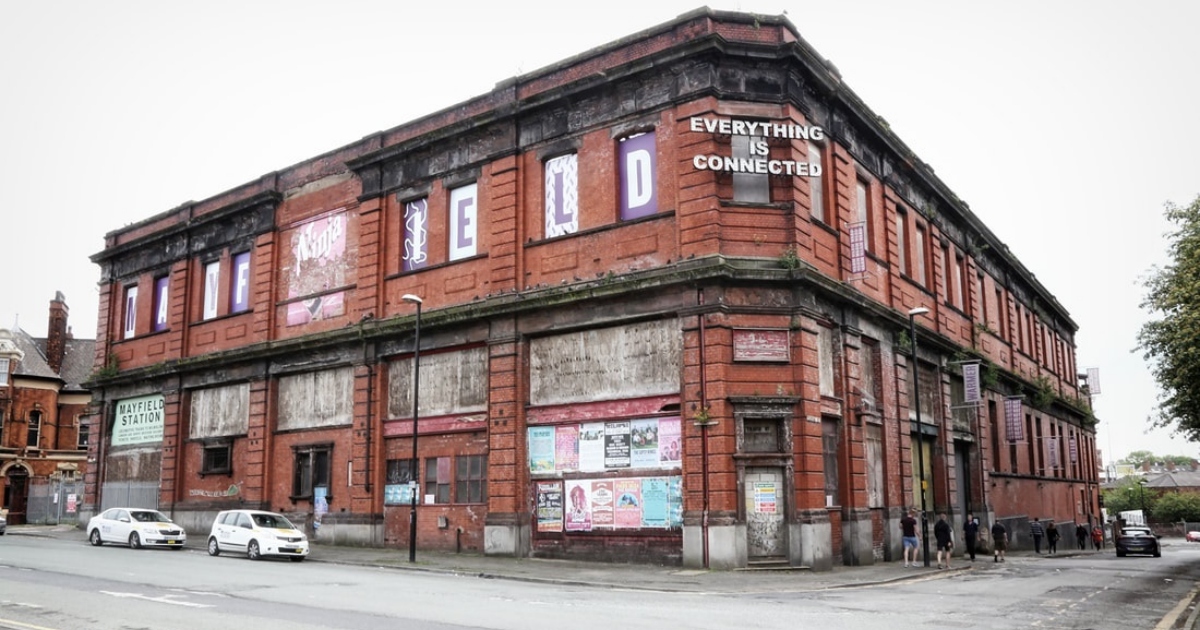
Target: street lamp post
<point>416,387</point>
<point>1142,496</point>
<point>916,393</point>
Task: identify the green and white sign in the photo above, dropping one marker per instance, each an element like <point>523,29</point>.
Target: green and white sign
<point>138,420</point>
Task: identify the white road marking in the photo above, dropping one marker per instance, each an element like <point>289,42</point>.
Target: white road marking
<point>161,600</point>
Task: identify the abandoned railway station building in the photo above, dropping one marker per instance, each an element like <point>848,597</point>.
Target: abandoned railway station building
<point>682,298</point>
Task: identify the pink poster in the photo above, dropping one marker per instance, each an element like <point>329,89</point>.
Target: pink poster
<point>602,504</point>
<point>670,443</point>
<point>579,510</point>
<point>629,503</point>
<point>566,448</point>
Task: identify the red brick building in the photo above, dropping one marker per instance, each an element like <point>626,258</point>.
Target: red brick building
<point>43,442</point>
<point>665,290</point>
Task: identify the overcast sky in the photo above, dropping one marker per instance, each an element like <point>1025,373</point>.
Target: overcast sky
<point>1064,125</point>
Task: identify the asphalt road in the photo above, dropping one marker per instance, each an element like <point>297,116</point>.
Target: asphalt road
<point>59,584</point>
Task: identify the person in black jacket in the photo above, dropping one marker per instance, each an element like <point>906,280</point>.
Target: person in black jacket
<point>945,543</point>
<point>971,534</point>
<point>1081,536</point>
<point>999,541</point>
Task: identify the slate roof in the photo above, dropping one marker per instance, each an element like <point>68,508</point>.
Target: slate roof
<point>77,364</point>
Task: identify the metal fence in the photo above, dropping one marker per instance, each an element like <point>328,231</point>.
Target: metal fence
<point>142,494</point>
<point>52,501</point>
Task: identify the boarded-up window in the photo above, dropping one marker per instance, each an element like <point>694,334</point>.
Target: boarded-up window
<point>868,359</point>
<point>637,360</point>
<point>451,383</point>
<point>761,435</point>
<point>829,451</point>
<point>930,394</point>
<point>873,443</point>
<point>316,399</point>
<point>220,411</point>
<point>825,355</point>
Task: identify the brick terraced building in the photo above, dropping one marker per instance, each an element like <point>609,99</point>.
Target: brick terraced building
<point>666,289</point>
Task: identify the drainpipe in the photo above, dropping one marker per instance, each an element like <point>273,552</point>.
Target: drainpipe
<point>703,436</point>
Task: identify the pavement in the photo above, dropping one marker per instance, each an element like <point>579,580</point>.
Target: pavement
<point>624,576</point>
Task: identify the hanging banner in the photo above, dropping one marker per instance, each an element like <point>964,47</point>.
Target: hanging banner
<point>971,393</point>
<point>1012,419</point>
<point>1052,447</point>
<point>1073,449</point>
<point>1093,381</point>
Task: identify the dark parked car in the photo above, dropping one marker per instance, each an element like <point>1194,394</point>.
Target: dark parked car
<point>1138,540</point>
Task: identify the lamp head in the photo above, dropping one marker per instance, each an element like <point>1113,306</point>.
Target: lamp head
<point>408,297</point>
<point>920,310</point>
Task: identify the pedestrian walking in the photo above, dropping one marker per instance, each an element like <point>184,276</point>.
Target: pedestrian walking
<point>1052,538</point>
<point>1097,538</point>
<point>908,536</point>
<point>1081,536</point>
<point>999,541</point>
<point>945,540</point>
<point>971,534</point>
<point>1037,531</point>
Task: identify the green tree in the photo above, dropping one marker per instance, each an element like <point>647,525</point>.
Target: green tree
<point>1171,344</point>
<point>1137,458</point>
<point>1172,507</point>
<point>1129,495</point>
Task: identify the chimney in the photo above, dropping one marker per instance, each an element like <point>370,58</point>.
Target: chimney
<point>56,332</point>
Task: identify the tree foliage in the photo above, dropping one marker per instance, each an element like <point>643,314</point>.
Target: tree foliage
<point>1172,508</point>
<point>1129,495</point>
<point>1137,458</point>
<point>1171,343</point>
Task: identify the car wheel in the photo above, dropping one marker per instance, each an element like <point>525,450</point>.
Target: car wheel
<point>95,538</point>
<point>135,541</point>
<point>297,558</point>
<point>1120,554</point>
<point>213,548</point>
<point>252,551</point>
<point>1158,553</point>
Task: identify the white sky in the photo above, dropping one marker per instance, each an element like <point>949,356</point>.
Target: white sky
<point>1064,125</point>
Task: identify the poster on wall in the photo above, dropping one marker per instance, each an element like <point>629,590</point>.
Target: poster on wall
<point>602,504</point>
<point>541,449</point>
<point>654,502</point>
<point>670,444</point>
<point>643,437</point>
<point>579,516</point>
<point>566,448</point>
<point>318,264</point>
<point>138,420</point>
<point>675,500</point>
<point>549,506</point>
<point>591,447</point>
<point>616,445</point>
<point>628,508</point>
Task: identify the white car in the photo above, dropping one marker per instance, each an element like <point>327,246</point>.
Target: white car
<point>3,524</point>
<point>257,534</point>
<point>136,527</point>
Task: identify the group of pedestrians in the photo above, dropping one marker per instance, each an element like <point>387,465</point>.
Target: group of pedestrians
<point>945,540</point>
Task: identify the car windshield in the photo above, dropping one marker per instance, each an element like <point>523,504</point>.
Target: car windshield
<point>150,516</point>
<point>274,521</point>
